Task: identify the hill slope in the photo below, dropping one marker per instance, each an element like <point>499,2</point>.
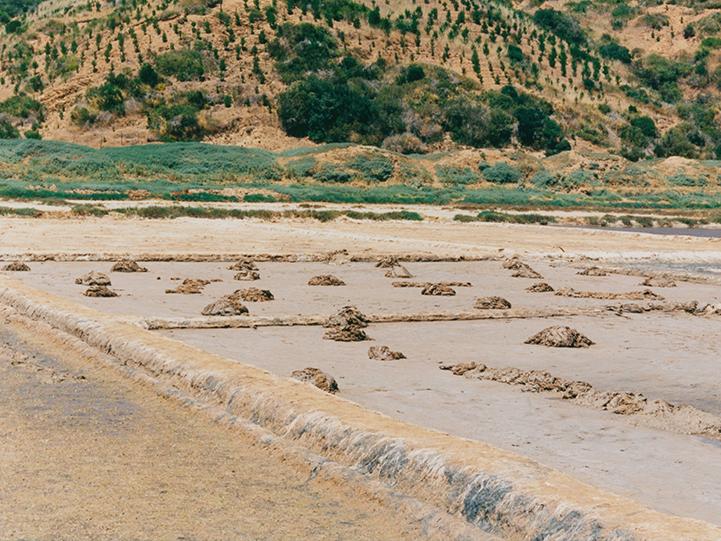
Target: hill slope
<point>414,77</point>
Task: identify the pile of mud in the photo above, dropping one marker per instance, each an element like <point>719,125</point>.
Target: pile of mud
<point>387,262</point>
<point>189,286</point>
<point>325,280</point>
<point>682,419</point>
<point>99,291</point>
<point>522,270</point>
<point>93,278</point>
<point>491,303</point>
<point>127,265</point>
<point>540,287</point>
<point>16,266</point>
<point>247,270</point>
<point>399,271</point>
<point>424,285</point>
<point>316,377</point>
<point>229,305</point>
<point>560,336</point>
<point>658,281</point>
<point>384,353</point>
<point>593,271</point>
<point>346,326</point>
<point>438,290</point>
<point>643,295</point>
<point>253,294</point>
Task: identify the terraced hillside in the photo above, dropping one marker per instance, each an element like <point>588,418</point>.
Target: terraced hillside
<point>410,76</point>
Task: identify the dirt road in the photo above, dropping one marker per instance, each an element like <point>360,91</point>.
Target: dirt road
<point>86,454</point>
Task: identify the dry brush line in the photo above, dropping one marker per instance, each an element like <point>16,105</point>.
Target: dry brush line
<point>488,488</point>
<point>642,295</point>
<point>680,419</point>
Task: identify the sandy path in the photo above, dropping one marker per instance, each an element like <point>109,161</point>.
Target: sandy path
<point>206,236</point>
<point>85,454</point>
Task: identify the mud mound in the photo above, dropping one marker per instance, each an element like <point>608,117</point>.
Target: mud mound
<point>645,294</point>
<point>513,263</point>
<point>348,333</point>
<point>346,326</point>
<point>441,290</point>
<point>247,275</point>
<point>682,419</point>
<point>491,303</point>
<point>317,377</point>
<point>387,262</point>
<point>540,287</point>
<point>93,278</point>
<point>527,272</point>
<point>593,271</point>
<point>16,266</point>
<point>326,280</point>
<point>243,264</point>
<point>99,291</point>
<point>189,286</point>
<point>228,305</point>
<point>560,337</point>
<point>253,294</point>
<point>399,271</point>
<point>127,265</point>
<point>384,353</point>
<point>658,281</point>
<point>348,315</point>
<point>428,284</point>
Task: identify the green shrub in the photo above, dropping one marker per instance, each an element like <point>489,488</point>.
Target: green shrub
<point>372,168</point>
<point>501,173</point>
<point>456,175</point>
<point>333,173</point>
<point>684,180</point>
<point>7,130</point>
<point>183,64</point>
<point>302,167</point>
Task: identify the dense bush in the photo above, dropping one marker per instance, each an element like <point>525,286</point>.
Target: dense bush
<point>456,175</point>
<point>561,24</point>
<point>302,48</point>
<point>183,64</point>
<point>372,168</point>
<point>501,173</point>
<point>7,130</point>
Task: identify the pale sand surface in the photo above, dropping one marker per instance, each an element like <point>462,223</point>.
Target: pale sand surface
<point>87,455</point>
<point>666,471</point>
<point>207,236</point>
<point>143,294</point>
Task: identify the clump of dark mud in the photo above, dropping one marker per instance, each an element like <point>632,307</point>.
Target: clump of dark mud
<point>399,271</point>
<point>16,266</point>
<point>387,262</point>
<point>325,280</point>
<point>317,377</point>
<point>540,287</point>
<point>229,305</point>
<point>491,303</point>
<point>658,281</point>
<point>423,285</point>
<point>99,291</point>
<point>346,326</point>
<point>438,290</point>
<point>682,419</point>
<point>247,275</point>
<point>384,353</point>
<point>523,270</point>
<point>593,271</point>
<point>243,264</point>
<point>645,294</point>
<point>189,286</point>
<point>560,337</point>
<point>253,294</point>
<point>127,265</point>
<point>93,278</point>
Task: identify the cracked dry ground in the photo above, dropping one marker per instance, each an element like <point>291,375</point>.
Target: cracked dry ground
<point>88,455</point>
